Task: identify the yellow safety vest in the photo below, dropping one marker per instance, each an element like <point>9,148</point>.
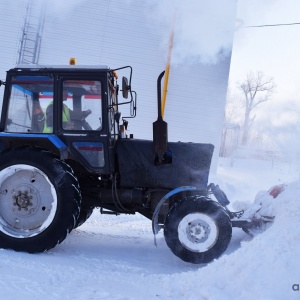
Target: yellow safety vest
<point>66,113</point>
<point>65,117</point>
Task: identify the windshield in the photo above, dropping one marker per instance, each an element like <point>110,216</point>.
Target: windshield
<point>31,105</point>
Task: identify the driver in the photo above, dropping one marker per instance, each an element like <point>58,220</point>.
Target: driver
<point>67,116</point>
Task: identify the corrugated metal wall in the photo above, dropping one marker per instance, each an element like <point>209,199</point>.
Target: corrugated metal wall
<point>118,33</point>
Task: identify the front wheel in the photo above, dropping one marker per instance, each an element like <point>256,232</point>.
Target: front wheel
<point>39,200</point>
<point>197,229</point>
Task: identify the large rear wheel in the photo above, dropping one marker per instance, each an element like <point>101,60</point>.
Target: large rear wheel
<point>197,229</point>
<point>83,216</point>
<point>39,200</point>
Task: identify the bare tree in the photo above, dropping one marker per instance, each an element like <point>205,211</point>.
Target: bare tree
<point>231,128</point>
<point>256,89</point>
<point>233,108</point>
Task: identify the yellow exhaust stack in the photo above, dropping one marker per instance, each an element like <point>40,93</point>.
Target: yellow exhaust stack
<point>166,81</point>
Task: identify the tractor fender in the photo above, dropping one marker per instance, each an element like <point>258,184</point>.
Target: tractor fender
<point>33,138</point>
<point>155,226</point>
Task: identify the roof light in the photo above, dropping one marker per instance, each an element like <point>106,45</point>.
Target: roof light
<point>72,61</point>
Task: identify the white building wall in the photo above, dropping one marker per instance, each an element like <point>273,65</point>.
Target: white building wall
<point>118,33</point>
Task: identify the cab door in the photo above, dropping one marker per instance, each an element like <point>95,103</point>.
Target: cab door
<point>82,116</point>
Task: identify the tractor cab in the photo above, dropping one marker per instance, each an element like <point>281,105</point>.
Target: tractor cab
<point>77,105</point>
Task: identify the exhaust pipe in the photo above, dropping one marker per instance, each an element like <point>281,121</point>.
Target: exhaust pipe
<point>160,132</point>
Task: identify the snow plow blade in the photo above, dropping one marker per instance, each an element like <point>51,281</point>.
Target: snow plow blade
<point>260,215</point>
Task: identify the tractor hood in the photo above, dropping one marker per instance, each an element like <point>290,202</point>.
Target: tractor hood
<point>190,165</point>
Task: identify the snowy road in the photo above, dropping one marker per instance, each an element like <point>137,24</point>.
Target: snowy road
<point>106,258</point>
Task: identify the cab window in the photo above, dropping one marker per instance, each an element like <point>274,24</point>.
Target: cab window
<point>29,97</point>
<point>82,106</point>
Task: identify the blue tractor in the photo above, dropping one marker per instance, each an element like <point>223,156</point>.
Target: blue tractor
<point>65,152</point>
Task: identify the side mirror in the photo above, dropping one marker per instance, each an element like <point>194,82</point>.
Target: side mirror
<point>2,82</point>
<point>125,87</point>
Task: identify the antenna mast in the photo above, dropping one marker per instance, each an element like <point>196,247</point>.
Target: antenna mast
<point>30,42</point>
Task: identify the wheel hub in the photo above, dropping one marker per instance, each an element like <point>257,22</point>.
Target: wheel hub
<point>22,200</point>
<point>26,201</point>
<point>198,231</point>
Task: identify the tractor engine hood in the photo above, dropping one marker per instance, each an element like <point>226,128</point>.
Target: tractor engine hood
<point>190,165</point>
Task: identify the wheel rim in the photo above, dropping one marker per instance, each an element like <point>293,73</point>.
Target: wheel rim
<point>28,201</point>
<point>198,232</point>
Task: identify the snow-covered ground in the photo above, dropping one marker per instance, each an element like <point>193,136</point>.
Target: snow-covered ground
<point>113,257</point>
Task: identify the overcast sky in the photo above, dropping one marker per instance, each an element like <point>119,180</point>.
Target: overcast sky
<point>272,50</point>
